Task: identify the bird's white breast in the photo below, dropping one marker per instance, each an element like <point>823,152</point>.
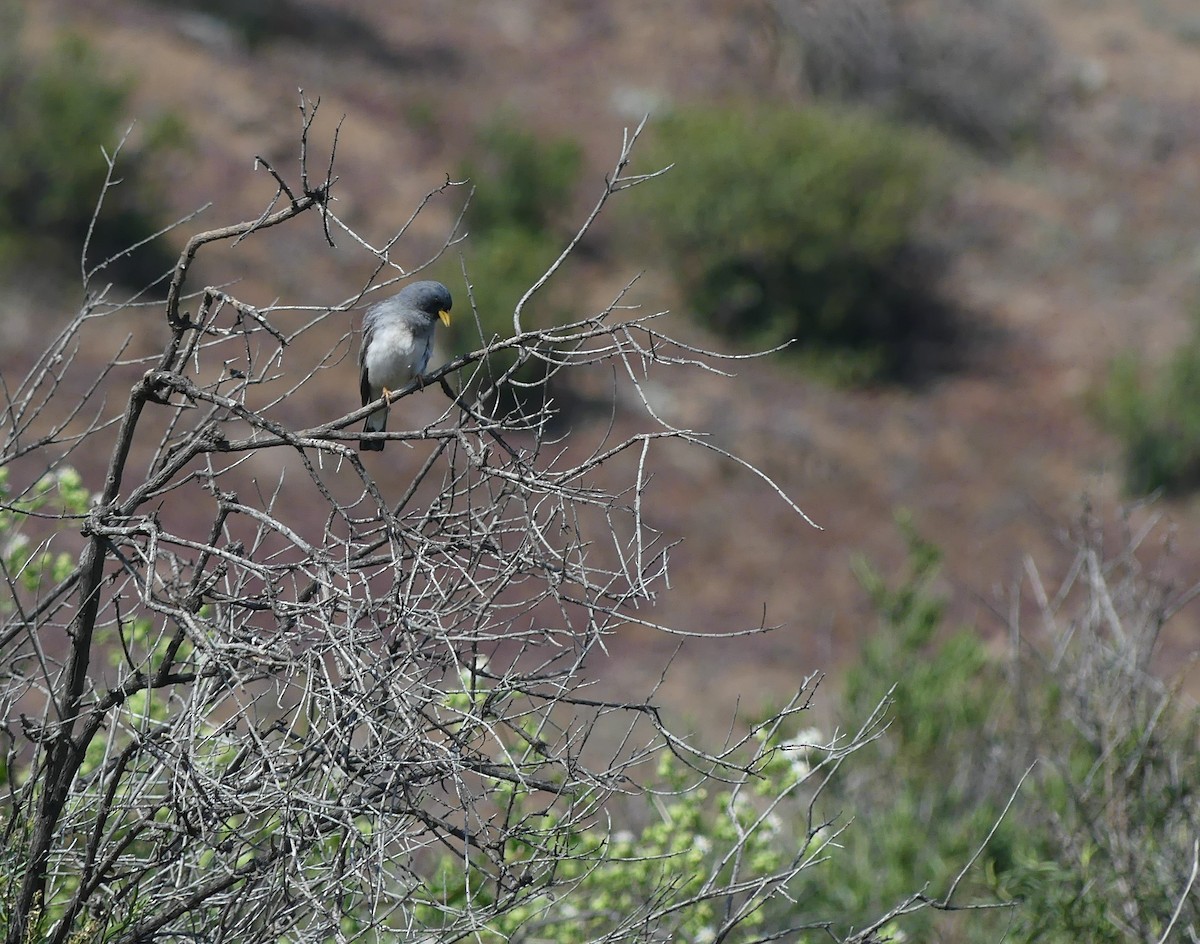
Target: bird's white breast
<point>396,355</point>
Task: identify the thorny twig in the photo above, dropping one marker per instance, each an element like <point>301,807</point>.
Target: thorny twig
<point>328,673</point>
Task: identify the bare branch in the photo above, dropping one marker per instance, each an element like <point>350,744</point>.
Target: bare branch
<point>272,685</point>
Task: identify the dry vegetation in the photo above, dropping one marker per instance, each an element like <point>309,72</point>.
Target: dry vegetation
<point>1069,253</point>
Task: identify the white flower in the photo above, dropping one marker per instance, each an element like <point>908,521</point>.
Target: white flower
<point>66,477</point>
<point>807,742</point>
<point>14,544</point>
<point>622,837</point>
<point>801,768</point>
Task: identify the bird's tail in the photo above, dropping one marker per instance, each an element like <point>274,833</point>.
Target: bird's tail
<point>376,423</point>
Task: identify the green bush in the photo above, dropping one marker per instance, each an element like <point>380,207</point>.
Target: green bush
<point>610,884</point>
<point>58,493</point>
<point>658,866</point>
<point>516,228</point>
<point>929,788</point>
<point>521,181</point>
<point>1156,420</point>
<point>59,112</point>
<point>1099,841</point>
<point>1111,835</point>
<point>803,224</point>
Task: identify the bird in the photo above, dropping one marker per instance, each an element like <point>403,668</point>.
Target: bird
<point>397,340</point>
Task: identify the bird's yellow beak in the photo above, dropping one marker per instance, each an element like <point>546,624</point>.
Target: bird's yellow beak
<point>445,316</point>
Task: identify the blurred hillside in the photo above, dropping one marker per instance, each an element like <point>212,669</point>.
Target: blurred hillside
<point>1067,251</point>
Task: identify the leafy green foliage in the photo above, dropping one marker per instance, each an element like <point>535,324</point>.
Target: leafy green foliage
<point>911,614</point>
<point>25,566</point>
<point>1157,420</point>
<point>803,224</point>
<point>28,567</point>
<point>609,884</point>
<point>928,790</point>
<point>61,113</point>
<point>522,186</point>
<point>1098,844</point>
<point>521,181</point>
<point>31,567</point>
<point>1111,834</point>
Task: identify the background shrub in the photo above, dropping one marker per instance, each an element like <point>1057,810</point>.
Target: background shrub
<point>521,181</point>
<point>805,224</point>
<point>1111,836</point>
<point>59,112</point>
<point>1099,844</point>
<point>523,187</point>
<point>1157,419</point>
<point>933,784</point>
<point>326,26</point>
<point>980,70</point>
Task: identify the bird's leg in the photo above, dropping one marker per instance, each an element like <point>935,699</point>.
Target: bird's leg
<point>387,395</point>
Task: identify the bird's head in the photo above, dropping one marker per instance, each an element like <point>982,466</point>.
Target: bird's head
<point>433,298</point>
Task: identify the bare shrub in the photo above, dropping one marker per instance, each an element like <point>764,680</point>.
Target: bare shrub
<point>274,694</point>
<point>981,70</point>
<point>1114,827</point>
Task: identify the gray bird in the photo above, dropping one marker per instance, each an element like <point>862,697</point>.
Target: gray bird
<point>396,343</point>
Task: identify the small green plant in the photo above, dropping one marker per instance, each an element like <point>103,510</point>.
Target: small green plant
<point>30,519</point>
<point>659,871</point>
<point>62,112</point>
<point>1110,838</point>
<point>929,790</point>
<point>1157,419</point>
<point>522,188</point>
<point>1099,840</point>
<point>27,566</point>
<point>804,224</point>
